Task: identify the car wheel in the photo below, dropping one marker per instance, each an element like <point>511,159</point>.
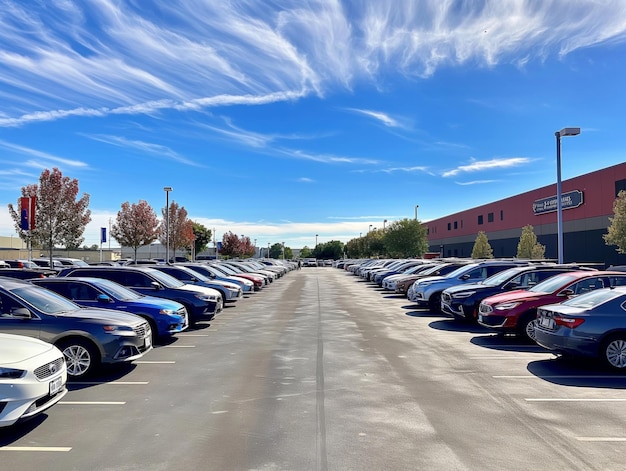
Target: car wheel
<point>528,326</point>
<point>614,352</point>
<point>81,357</point>
<point>434,303</point>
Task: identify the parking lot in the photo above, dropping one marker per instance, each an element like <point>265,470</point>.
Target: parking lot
<point>323,370</point>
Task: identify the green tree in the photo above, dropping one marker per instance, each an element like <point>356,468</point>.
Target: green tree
<point>528,247</point>
<point>60,218</point>
<point>288,253</point>
<point>136,225</point>
<point>405,238</point>
<point>305,252</point>
<point>482,248</point>
<point>616,234</point>
<point>276,250</point>
<point>203,237</point>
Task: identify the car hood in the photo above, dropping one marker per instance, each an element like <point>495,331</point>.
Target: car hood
<point>201,289</point>
<point>467,287</point>
<point>103,315</point>
<point>157,303</point>
<point>17,348</point>
<point>514,296</point>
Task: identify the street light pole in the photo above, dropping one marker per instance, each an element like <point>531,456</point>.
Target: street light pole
<point>559,204</point>
<point>167,190</point>
<point>316,235</point>
<point>384,224</point>
<point>416,206</point>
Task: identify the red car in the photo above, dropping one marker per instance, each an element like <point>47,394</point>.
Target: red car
<point>516,311</point>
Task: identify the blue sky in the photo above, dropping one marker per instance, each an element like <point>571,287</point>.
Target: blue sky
<point>284,119</point>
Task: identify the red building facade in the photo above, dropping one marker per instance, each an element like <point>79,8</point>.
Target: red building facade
<point>587,203</point>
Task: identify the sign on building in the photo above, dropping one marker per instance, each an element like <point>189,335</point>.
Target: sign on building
<point>569,200</point>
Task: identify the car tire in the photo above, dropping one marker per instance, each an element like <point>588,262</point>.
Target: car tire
<point>528,325</point>
<point>613,352</point>
<point>434,302</point>
<point>81,356</point>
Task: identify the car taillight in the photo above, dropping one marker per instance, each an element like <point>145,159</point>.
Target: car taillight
<point>568,322</point>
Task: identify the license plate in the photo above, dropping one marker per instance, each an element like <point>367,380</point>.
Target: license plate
<point>148,341</point>
<point>56,385</point>
<point>546,322</point>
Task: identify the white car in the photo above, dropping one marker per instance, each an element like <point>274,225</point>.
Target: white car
<point>32,377</point>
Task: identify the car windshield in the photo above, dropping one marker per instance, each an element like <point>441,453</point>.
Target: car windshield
<point>166,280</point>
<point>198,274</point>
<point>594,298</point>
<point>118,291</point>
<point>554,283</point>
<point>45,300</point>
<point>460,271</point>
<point>224,269</point>
<point>502,277</point>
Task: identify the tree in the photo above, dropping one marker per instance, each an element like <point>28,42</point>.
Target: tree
<point>616,234</point>
<point>59,219</point>
<point>405,238</point>
<point>203,237</point>
<point>136,225</point>
<point>305,252</point>
<point>276,250</point>
<point>180,228</point>
<point>331,249</point>
<point>230,245</point>
<point>288,253</point>
<point>528,247</point>
<point>482,248</point>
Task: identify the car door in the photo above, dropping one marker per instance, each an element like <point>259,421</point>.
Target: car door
<point>13,323</point>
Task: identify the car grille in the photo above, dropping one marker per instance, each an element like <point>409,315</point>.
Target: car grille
<point>142,330</point>
<point>49,369</point>
<point>485,308</point>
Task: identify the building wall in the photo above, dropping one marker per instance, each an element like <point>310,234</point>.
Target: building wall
<point>502,221</point>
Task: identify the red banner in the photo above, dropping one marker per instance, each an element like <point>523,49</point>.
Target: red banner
<point>27,212</point>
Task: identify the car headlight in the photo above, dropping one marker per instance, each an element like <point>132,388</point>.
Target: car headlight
<point>11,373</point>
<point>166,312</point>
<point>464,294</point>
<point>117,328</point>
<point>207,297</point>
<point>506,306</point>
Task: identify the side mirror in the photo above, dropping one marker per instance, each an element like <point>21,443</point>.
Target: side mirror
<point>104,299</point>
<point>21,313</point>
<point>156,285</point>
<point>566,293</point>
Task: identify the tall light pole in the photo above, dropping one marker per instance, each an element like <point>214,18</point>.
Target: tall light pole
<point>370,228</point>
<point>167,190</point>
<point>559,204</point>
<point>384,224</point>
<point>316,236</point>
<point>416,206</point>
<point>283,251</point>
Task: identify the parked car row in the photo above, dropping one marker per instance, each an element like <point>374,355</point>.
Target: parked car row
<point>72,323</point>
<point>568,309</point>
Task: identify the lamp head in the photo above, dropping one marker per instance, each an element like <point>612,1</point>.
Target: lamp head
<point>569,132</point>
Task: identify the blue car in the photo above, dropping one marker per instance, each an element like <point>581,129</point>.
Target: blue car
<point>166,317</point>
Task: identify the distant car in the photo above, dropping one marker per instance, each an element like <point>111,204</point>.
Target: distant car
<point>230,291</point>
<point>462,301</point>
<point>32,378</point>
<point>21,263</point>
<point>211,272</point>
<point>26,273</point>
<point>258,280</point>
<point>201,303</point>
<point>590,325</point>
<point>427,291</point>
<point>45,263</point>
<point>88,338</point>
<point>516,311</point>
<point>166,317</point>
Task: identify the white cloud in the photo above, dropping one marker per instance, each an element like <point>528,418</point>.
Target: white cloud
<point>482,165</point>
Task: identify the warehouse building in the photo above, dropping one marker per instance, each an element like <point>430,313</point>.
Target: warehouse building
<point>587,205</point>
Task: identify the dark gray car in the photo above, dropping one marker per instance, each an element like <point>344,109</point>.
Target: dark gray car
<point>87,337</point>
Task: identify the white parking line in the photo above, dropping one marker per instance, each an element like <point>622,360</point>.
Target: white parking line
<point>92,403</point>
<point>179,346</point>
<point>148,362</point>
<point>192,335</point>
<point>35,448</point>
<point>92,383</point>
<point>572,399</point>
<point>557,377</point>
<point>601,439</point>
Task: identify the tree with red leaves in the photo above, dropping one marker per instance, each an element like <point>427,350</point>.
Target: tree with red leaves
<point>60,218</point>
<point>136,225</point>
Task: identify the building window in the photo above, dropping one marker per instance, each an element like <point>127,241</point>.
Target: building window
<point>456,225</point>
<point>480,220</point>
<point>501,215</point>
<point>619,186</point>
<point>449,226</point>
<point>490,217</point>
